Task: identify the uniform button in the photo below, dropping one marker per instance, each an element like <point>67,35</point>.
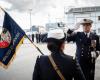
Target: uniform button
<point>82,55</point>
<point>82,48</point>
<point>82,51</point>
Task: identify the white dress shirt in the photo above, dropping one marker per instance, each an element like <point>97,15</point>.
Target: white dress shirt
<point>88,34</point>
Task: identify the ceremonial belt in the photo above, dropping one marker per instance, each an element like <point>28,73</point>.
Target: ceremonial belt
<point>56,68</point>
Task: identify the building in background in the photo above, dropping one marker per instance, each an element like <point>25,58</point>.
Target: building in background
<point>42,29</point>
<point>50,26</point>
<point>74,15</point>
<point>34,28</point>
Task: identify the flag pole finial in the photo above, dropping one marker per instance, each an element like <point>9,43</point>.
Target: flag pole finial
<point>2,9</point>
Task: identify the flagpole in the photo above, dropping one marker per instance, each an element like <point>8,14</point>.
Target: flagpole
<point>2,9</point>
<point>34,45</point>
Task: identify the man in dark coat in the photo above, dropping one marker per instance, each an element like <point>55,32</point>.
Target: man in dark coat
<point>33,37</point>
<point>37,37</point>
<point>88,47</point>
<point>68,66</point>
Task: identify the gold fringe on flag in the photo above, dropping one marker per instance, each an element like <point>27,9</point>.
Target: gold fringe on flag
<point>13,57</point>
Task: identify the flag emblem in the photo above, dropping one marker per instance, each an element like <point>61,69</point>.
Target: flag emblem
<point>5,38</point>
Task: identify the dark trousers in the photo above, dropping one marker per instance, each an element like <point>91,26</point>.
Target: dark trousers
<point>88,69</point>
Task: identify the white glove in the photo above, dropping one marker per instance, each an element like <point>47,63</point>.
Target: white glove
<point>93,54</point>
<point>77,26</point>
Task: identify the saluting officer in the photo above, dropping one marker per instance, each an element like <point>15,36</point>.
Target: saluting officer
<point>88,47</point>
<point>57,66</point>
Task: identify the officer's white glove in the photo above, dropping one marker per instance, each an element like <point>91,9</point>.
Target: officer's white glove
<point>77,26</point>
<point>93,54</point>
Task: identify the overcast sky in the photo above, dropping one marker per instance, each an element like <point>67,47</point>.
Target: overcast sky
<point>43,11</point>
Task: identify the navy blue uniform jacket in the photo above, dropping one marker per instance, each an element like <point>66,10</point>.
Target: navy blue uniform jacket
<point>68,66</point>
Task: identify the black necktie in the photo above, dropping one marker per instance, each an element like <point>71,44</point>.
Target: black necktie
<point>86,34</point>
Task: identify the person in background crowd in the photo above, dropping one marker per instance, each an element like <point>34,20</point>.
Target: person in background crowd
<point>33,37</point>
<point>37,37</point>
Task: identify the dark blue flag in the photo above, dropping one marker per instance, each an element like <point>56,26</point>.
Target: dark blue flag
<point>10,38</point>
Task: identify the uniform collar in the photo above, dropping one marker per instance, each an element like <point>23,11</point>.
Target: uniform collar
<point>57,53</point>
<point>88,34</point>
